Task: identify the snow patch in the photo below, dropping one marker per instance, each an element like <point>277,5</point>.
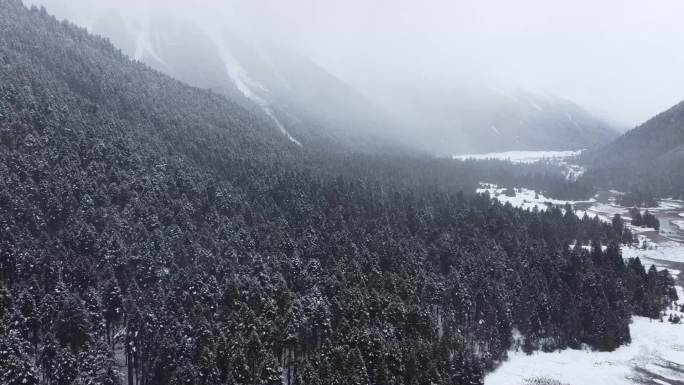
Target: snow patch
<point>520,156</point>
<point>524,198</point>
<point>608,209</point>
<point>668,204</point>
<point>238,75</point>
<point>664,205</point>
<point>592,215</point>
<point>140,27</point>
<point>654,345</point>
<point>280,126</point>
<point>251,89</point>
<point>667,251</point>
<point>571,171</point>
<point>586,247</point>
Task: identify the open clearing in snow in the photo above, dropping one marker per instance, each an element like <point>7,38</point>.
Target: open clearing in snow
<point>525,198</point>
<point>656,354</point>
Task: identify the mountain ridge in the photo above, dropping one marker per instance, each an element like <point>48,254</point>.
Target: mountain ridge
<point>311,104</point>
<point>156,233</point>
<point>647,160</point>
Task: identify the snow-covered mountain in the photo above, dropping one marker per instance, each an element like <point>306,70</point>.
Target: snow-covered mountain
<point>463,118</point>
<point>309,104</point>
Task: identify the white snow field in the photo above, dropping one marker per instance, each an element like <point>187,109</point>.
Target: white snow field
<point>679,224</point>
<point>606,209</point>
<point>521,156</point>
<point>656,351</point>
<point>665,204</point>
<point>559,158</point>
<point>525,198</point>
<point>665,251</point>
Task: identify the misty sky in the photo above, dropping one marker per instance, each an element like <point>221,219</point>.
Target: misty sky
<point>621,59</point>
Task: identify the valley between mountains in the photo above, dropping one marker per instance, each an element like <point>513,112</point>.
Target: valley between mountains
<point>266,193</point>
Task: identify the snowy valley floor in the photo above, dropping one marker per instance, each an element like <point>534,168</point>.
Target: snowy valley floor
<point>656,354</point>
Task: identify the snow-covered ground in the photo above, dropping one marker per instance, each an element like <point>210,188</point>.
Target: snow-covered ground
<point>525,198</point>
<point>521,156</point>
<point>558,158</point>
<point>656,353</point>
<point>604,210</point>
<point>665,251</point>
<point>665,204</point>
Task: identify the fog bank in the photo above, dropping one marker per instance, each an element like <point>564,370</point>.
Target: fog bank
<point>618,58</point>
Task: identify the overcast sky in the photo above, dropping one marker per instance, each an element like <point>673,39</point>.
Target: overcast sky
<point>622,59</point>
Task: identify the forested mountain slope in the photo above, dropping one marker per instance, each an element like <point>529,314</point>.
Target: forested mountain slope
<point>647,161</point>
<point>302,98</point>
<point>314,106</point>
<point>152,233</point>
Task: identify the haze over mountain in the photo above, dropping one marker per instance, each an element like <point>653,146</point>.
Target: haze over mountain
<point>467,118</point>
<point>603,56</point>
<point>309,104</point>
<point>295,93</point>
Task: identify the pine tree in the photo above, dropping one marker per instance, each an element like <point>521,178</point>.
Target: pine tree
<point>356,371</point>
<point>64,367</point>
<point>254,353</point>
<point>16,364</point>
<point>113,306</point>
<point>71,326</point>
<point>270,372</point>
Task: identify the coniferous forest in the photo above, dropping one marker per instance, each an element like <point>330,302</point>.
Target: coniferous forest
<point>153,233</point>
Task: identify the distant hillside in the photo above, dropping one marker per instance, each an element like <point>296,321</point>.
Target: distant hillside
<point>648,159</point>
<point>304,101</point>
<point>314,107</point>
<point>475,119</point>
